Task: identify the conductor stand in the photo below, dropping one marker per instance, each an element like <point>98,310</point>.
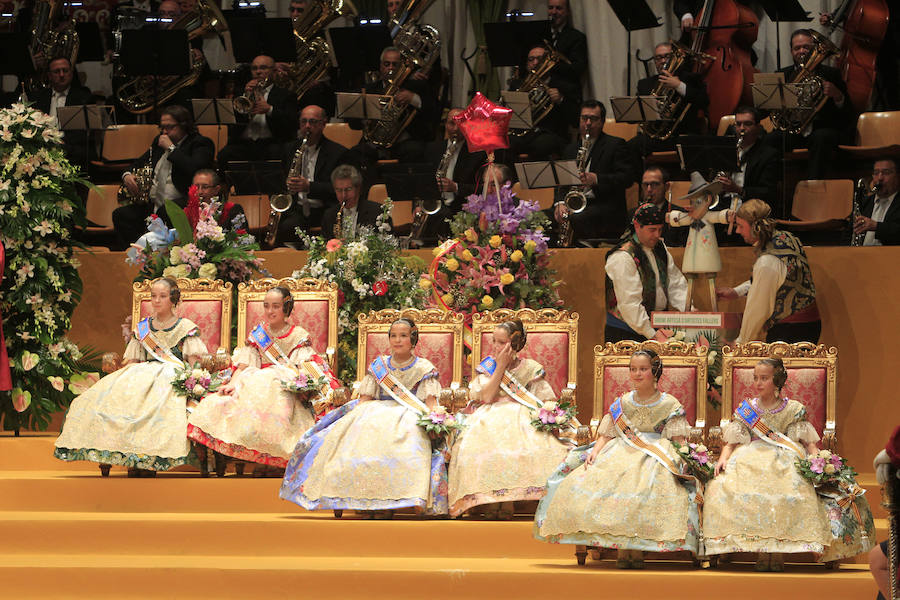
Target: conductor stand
<point>783,10</point>
<point>155,53</point>
<point>634,16</point>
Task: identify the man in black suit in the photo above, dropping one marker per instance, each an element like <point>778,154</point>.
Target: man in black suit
<point>833,124</point>
<point>347,183</point>
<point>570,42</point>
<point>655,186</point>
<point>176,154</point>
<point>548,137</point>
<point>610,169</point>
<point>760,170</point>
<point>271,122</point>
<point>312,189</point>
<point>880,218</point>
<point>63,91</point>
<point>685,86</point>
<point>458,182</point>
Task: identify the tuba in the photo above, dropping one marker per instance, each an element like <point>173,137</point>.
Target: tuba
<point>575,199</point>
<point>48,42</point>
<point>812,97</point>
<point>142,94</point>
<point>280,203</point>
<point>419,47</point>
<point>409,12</point>
<point>541,104</point>
<point>673,106</point>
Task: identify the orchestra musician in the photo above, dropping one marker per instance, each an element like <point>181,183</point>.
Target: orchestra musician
<point>567,40</point>
<point>880,213</point>
<point>355,210</point>
<point>760,171</point>
<point>655,189</point>
<point>209,187</point>
<point>65,91</point>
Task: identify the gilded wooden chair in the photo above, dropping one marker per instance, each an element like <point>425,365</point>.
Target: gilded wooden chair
<point>684,376</point>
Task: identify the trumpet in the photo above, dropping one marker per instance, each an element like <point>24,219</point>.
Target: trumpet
<point>244,104</point>
<point>279,203</point>
<point>576,198</point>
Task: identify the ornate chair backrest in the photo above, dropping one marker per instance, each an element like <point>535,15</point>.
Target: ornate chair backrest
<point>812,380</point>
<point>206,302</point>
<point>315,310</point>
<point>440,339</point>
<point>552,340</point>
<point>684,376</point>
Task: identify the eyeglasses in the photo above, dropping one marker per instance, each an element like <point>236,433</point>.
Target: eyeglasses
<point>651,183</point>
<point>662,56</point>
<point>167,126</point>
<point>883,171</point>
<point>311,121</point>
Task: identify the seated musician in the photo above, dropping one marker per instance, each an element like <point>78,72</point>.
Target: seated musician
<point>176,154</point>
<point>312,189</point>
<point>688,86</point>
<point>832,125</point>
<point>655,186</point>
<point>880,218</point>
<point>271,122</point>
<point>760,171</point>
<point>568,41</point>
<point>457,181</point>
<point>354,210</point>
<point>641,277</point>
<point>209,188</point>
<point>610,169</point>
<point>64,91</point>
<point>548,136</point>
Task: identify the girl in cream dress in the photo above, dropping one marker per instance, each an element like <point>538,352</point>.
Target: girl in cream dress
<point>133,417</point>
<point>371,454</point>
<point>759,502</point>
<point>612,494</point>
<point>251,417</point>
<point>500,457</point>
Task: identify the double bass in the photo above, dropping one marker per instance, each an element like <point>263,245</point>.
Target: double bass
<point>865,25</point>
<point>725,30</point>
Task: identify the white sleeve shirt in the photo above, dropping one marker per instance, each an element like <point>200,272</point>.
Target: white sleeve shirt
<point>769,274</point>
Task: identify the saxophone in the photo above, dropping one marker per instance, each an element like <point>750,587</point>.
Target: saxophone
<point>812,97</point>
<point>144,177</point>
<point>280,203</point>
<point>575,199</point>
<point>432,206</point>
<point>339,221</point>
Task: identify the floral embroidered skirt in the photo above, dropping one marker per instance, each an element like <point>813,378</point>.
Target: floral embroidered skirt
<point>131,417</point>
<point>260,422</point>
<point>501,457</point>
<point>367,456</point>
<point>625,500</point>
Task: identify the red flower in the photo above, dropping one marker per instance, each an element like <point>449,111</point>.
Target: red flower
<point>379,288</point>
<point>341,297</point>
<point>241,231</point>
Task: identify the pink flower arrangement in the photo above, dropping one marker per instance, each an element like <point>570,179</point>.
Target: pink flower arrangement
<point>824,468</point>
<point>438,422</point>
<point>333,245</point>
<point>696,459</point>
<point>552,416</point>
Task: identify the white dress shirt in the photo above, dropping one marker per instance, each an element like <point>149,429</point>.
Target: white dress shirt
<point>163,188</point>
<point>258,127</point>
<point>309,171</point>
<point>769,274</point>
<point>878,213</point>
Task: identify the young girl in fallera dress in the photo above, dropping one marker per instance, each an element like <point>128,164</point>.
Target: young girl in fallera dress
<point>759,502</point>
<point>371,454</point>
<point>252,417</point>
<point>133,417</point>
<point>500,457</point>
<point>620,494</point>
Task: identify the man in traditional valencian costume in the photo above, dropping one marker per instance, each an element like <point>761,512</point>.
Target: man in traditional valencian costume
<point>781,295</point>
<point>641,277</point>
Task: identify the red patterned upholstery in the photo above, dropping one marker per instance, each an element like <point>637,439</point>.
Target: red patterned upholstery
<point>436,346</point>
<point>311,315</point>
<point>805,384</point>
<point>550,348</point>
<point>681,382</point>
<point>206,314</point>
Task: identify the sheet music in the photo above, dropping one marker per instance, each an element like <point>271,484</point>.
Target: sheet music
<point>545,174</point>
<point>520,104</point>
<point>636,109</point>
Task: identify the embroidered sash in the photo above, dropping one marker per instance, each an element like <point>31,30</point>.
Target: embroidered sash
<point>628,434</point>
<point>153,346</point>
<point>260,338</point>
<point>750,417</point>
<point>394,388</point>
<point>511,385</point>
<point>316,368</point>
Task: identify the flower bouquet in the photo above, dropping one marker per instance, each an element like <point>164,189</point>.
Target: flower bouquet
<point>696,460</point>
<point>500,258</point>
<point>826,468</point>
<point>195,383</point>
<point>552,416</point>
<point>438,423</point>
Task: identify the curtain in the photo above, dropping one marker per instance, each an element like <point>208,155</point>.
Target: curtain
<point>481,12</point>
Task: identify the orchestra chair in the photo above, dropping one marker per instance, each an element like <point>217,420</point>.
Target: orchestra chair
<point>217,133</point>
<point>820,205</point>
<point>256,210</point>
<point>101,201</point>
<point>626,131</point>
<point>877,134</point>
<point>679,189</point>
<point>122,144</point>
<point>632,197</point>
<point>724,123</point>
<point>543,196</point>
<point>378,193</point>
<point>402,213</point>
<point>684,376</point>
<point>342,134</point>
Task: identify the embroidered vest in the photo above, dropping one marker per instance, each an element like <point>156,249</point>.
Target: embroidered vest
<point>798,290</point>
<point>645,271</point>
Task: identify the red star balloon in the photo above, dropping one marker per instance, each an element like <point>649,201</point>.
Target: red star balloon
<point>484,124</point>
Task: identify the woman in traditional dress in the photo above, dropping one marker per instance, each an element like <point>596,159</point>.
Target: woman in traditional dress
<point>134,417</point>
<point>252,417</point>
<point>759,501</point>
<point>627,492</point>
<point>371,454</point>
<point>500,457</point>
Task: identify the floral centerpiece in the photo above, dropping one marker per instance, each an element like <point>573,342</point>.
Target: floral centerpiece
<point>371,275</point>
<point>696,459</point>
<point>195,383</point>
<point>552,416</point>
<point>300,383</point>
<point>438,423</point>
<point>39,209</point>
<point>500,258</point>
<point>826,468</point>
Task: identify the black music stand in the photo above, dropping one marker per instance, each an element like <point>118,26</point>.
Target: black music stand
<point>707,154</point>
<point>254,35</point>
<point>87,118</point>
<point>508,42</point>
<point>157,53</point>
<point>783,10</point>
<point>546,174</point>
<point>634,16</point>
<point>256,178</point>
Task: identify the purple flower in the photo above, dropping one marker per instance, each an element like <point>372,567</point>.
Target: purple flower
<point>836,461</point>
<point>438,418</point>
<point>816,465</point>
<point>509,225</point>
<point>190,382</point>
